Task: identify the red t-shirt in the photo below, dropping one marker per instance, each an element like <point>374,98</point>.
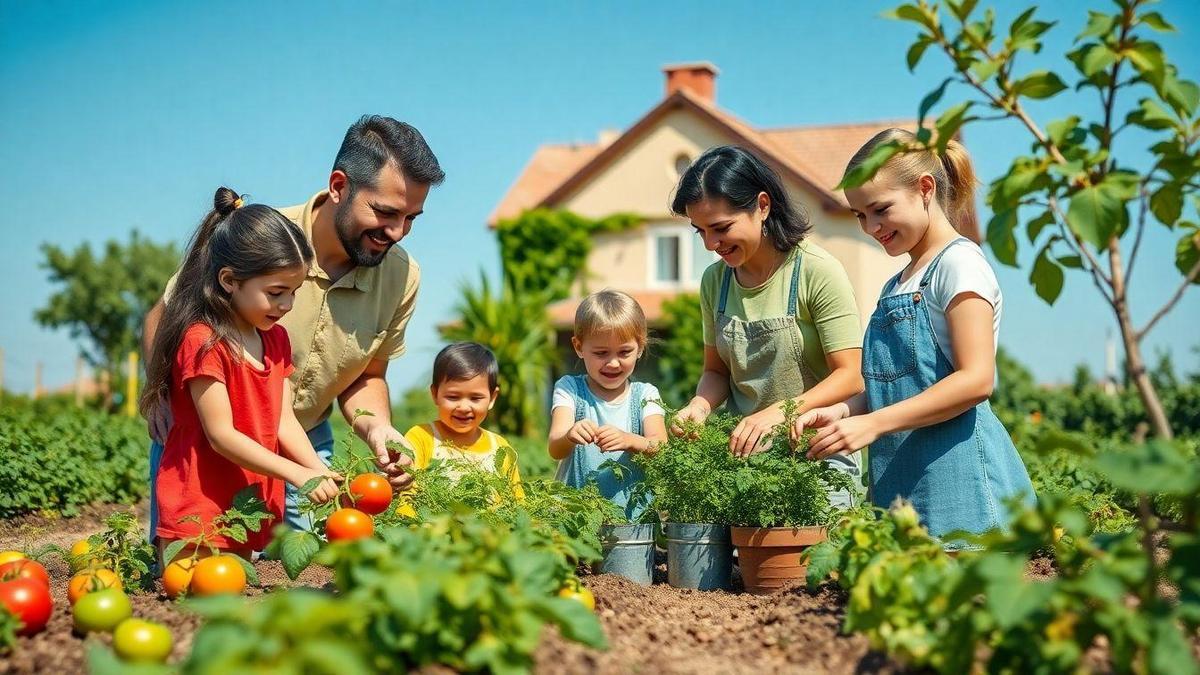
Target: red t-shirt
<point>194,479</point>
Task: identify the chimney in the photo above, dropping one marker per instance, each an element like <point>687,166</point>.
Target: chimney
<point>699,78</point>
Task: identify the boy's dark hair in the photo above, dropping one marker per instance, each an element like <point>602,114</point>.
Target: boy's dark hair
<point>463,361</point>
<point>375,140</point>
<point>738,176</point>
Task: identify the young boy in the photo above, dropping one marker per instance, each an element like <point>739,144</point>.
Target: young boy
<point>464,389</point>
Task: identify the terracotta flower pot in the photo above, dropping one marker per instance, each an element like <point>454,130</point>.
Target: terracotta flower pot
<point>769,557</point>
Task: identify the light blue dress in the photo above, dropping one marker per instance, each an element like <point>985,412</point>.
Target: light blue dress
<point>584,462</point>
<point>957,473</point>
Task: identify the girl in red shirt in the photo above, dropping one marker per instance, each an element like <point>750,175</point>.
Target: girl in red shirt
<point>221,362</point>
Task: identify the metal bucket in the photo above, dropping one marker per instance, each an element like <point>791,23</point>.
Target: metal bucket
<point>628,552</point>
<point>699,556</point>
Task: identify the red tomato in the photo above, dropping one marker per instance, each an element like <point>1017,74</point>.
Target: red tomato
<point>29,601</point>
<point>371,494</point>
<point>348,525</point>
<point>24,569</point>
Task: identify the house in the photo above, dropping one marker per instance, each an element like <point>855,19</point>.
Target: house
<point>636,172</point>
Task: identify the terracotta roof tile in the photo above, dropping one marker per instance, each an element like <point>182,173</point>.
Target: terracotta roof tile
<point>546,170</point>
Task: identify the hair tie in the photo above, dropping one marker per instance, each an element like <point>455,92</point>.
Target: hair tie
<point>237,203</point>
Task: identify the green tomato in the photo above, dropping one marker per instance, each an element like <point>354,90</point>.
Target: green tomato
<point>102,610</point>
<point>140,640</point>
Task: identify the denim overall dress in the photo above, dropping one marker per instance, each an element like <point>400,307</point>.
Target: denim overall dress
<point>956,473</point>
<point>766,364</point>
<point>584,462</point>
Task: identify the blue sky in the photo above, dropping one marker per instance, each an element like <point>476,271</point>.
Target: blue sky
<point>120,115</point>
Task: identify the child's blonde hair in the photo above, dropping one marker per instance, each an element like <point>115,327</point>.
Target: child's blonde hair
<point>951,170</point>
<point>614,311</point>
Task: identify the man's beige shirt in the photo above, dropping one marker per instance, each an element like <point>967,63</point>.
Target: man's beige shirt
<point>337,327</point>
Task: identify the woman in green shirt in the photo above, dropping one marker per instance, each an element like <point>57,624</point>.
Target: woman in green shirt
<point>780,320</point>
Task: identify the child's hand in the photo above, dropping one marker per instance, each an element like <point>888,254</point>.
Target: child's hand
<point>612,439</point>
<point>326,490</point>
<point>583,432</point>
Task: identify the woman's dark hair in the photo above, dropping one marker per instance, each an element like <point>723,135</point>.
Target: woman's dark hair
<point>375,140</point>
<point>463,361</point>
<point>250,240</point>
<point>738,176</point>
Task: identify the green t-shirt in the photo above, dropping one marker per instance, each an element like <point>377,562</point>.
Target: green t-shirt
<point>826,313</point>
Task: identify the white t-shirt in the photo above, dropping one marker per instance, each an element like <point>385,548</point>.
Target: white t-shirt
<point>963,269</point>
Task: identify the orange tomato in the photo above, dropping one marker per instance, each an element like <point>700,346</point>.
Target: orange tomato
<point>25,569</point>
<point>348,525</point>
<point>371,494</point>
<point>218,574</point>
<point>82,555</point>
<point>178,577</point>
<point>9,556</point>
<point>91,580</point>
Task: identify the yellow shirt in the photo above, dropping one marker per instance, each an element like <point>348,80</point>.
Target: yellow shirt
<point>428,445</point>
<point>338,327</point>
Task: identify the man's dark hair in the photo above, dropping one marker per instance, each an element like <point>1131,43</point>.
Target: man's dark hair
<point>375,140</point>
<point>463,361</point>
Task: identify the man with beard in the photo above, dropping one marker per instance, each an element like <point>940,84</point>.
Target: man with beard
<point>349,315</point>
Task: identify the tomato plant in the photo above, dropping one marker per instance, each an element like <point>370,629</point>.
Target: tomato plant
<point>369,493</point>
<point>247,514</point>
<point>29,601</point>
<point>101,610</point>
<point>218,574</point>
<point>140,640</point>
<point>9,625</point>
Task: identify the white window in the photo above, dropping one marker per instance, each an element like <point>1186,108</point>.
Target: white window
<point>677,256</point>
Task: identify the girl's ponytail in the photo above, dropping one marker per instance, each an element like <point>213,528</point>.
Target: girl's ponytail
<point>951,170</point>
<point>960,176</point>
<point>250,240</point>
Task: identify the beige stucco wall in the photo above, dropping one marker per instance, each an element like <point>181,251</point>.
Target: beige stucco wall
<point>642,181</point>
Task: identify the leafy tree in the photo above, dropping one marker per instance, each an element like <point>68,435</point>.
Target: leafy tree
<point>1074,191</point>
<point>681,353</point>
<point>104,295</point>
<point>546,249</point>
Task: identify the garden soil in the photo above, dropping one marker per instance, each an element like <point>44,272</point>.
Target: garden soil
<point>651,629</point>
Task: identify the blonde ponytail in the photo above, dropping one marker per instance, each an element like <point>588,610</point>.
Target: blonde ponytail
<point>952,172</point>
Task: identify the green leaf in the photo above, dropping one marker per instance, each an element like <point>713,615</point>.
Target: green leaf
<point>1170,650</point>
<point>984,70</point>
<point>913,13</point>
<point>1098,24</point>
<point>248,568</point>
<point>1147,58</point>
<point>962,9</point>
<point>311,484</point>
<point>1046,277</point>
<point>866,171</point>
<point>1000,236</point>
<point>576,622</point>
<point>822,561</point>
<point>1072,261</point>
<point>950,122</point>
<point>1151,115</point>
<point>931,100</point>
<point>1187,250</point>
<point>1038,85</point>
<point>1182,95</point>
<point>1095,215</point>
<point>1166,203</point>
<point>1156,21</point>
<point>173,549</point>
<point>1065,130</point>
<point>1034,228</point>
<point>1092,59</point>
<point>296,551</point>
<point>916,51</point>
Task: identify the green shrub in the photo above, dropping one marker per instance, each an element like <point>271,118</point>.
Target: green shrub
<point>57,462</point>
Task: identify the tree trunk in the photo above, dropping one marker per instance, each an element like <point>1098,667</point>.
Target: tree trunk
<point>1134,364</point>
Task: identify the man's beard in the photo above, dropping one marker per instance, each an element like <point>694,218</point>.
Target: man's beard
<point>344,226</point>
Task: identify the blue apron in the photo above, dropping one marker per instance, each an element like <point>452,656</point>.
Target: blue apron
<point>956,473</point>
